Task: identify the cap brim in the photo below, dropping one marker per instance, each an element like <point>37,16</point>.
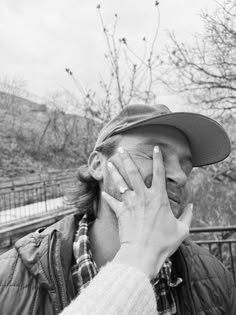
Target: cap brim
<point>208,140</point>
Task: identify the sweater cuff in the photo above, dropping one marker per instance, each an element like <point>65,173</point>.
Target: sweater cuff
<point>128,291</point>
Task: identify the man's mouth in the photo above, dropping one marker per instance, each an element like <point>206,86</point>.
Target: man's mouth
<point>174,198</point>
<point>175,203</point>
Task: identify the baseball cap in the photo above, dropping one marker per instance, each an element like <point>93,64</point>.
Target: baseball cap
<point>208,140</point>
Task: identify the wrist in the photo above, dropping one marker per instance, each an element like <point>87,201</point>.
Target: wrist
<point>136,256</point>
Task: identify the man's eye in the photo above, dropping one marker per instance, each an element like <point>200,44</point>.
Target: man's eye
<point>141,155</point>
<point>149,157</point>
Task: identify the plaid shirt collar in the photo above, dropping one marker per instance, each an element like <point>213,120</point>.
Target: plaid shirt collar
<point>163,284</point>
<point>85,269</point>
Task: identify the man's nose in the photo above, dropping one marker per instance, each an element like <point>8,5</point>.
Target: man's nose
<point>175,174</point>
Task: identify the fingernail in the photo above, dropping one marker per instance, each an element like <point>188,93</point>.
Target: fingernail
<point>104,195</point>
<point>156,149</point>
<point>120,150</point>
<point>110,165</point>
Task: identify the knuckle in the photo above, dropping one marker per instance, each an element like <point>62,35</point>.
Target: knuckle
<point>132,171</point>
<point>160,170</point>
<point>158,191</point>
<point>129,196</point>
<point>132,193</point>
<point>165,204</point>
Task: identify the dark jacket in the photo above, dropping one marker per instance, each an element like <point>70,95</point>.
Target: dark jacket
<point>35,276</point>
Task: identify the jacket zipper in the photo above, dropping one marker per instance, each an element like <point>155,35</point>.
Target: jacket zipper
<point>177,302</point>
<point>60,296</point>
<point>188,288</point>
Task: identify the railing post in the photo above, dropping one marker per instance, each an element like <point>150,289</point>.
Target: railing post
<point>45,194</point>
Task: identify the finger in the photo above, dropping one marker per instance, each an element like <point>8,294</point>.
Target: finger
<point>186,216</point>
<point>116,176</point>
<point>114,204</point>
<point>132,171</point>
<point>188,192</point>
<point>158,179</point>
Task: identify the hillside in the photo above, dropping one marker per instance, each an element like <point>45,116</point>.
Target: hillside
<point>34,138</point>
<point>37,140</point>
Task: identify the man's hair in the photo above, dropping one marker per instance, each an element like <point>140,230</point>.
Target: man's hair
<point>84,194</point>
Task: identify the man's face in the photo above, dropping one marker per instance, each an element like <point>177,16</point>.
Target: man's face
<point>139,143</point>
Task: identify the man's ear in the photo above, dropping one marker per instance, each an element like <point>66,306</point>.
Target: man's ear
<point>96,165</point>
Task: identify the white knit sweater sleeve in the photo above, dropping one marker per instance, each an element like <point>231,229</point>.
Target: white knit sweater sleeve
<point>118,289</point>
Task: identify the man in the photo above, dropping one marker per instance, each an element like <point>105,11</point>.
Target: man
<point>48,269</point>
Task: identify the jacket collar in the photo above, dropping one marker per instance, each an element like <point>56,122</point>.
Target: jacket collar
<point>36,248</point>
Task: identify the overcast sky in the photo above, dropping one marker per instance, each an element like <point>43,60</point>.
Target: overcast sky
<point>39,39</point>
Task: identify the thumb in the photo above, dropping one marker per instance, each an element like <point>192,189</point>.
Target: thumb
<point>186,216</point>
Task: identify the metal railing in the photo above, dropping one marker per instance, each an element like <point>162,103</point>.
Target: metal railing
<point>221,242</point>
<point>22,199</point>
<point>34,197</point>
